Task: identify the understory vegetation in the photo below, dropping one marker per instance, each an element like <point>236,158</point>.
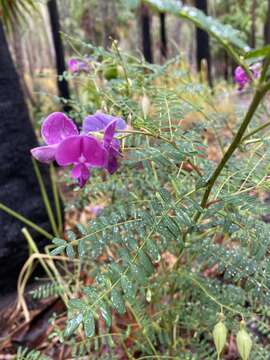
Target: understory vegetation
<point>179,241</point>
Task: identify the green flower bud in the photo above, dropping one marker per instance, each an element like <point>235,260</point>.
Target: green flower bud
<point>145,103</point>
<point>244,343</point>
<point>220,335</point>
<point>148,295</point>
<point>110,71</point>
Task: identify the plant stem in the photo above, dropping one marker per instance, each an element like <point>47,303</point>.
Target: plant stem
<point>45,198</point>
<point>56,199</point>
<point>260,92</point>
<point>255,131</point>
<point>25,221</point>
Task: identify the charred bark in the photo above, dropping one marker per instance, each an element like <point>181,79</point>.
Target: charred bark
<point>146,33</point>
<point>59,51</point>
<point>18,186</point>
<point>203,44</point>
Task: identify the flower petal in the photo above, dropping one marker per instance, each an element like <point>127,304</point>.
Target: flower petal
<point>112,165</point>
<point>82,173</point>
<point>79,149</point>
<point>72,65</point>
<point>99,121</point>
<point>57,127</point>
<point>94,152</point>
<point>44,154</point>
<point>109,133</point>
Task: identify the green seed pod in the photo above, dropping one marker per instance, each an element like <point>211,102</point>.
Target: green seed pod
<point>244,343</point>
<point>220,335</point>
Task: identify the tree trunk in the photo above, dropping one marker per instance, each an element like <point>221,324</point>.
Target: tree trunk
<point>253,24</point>
<point>18,186</point>
<point>59,50</point>
<point>267,26</point>
<point>203,46</point>
<point>146,33</point>
<point>163,36</point>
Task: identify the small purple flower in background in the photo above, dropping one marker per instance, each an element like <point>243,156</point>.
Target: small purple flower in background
<point>241,78</point>
<point>66,146</point>
<point>109,124</point>
<point>76,66</point>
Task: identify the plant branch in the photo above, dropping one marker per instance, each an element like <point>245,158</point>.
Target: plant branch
<point>260,92</point>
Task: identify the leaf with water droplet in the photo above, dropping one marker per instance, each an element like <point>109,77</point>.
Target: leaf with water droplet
<point>105,313</point>
<point>128,287</point>
<point>117,301</point>
<point>89,323</point>
<point>73,324</point>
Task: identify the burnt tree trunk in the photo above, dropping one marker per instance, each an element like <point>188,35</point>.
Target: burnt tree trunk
<point>146,33</point>
<point>18,186</point>
<point>59,50</point>
<point>163,36</point>
<point>267,26</point>
<point>203,44</point>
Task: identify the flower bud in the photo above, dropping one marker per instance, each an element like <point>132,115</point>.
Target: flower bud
<point>244,343</point>
<point>220,335</point>
<point>148,295</point>
<point>145,103</point>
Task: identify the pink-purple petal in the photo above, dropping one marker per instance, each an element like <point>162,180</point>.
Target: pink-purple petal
<point>44,154</point>
<point>99,121</point>
<point>81,149</point>
<point>112,165</point>
<point>94,152</point>
<point>57,127</point>
<point>68,151</point>
<point>109,133</point>
<point>81,173</point>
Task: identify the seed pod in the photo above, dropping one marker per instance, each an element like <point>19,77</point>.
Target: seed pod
<point>220,335</point>
<point>145,103</point>
<point>244,343</point>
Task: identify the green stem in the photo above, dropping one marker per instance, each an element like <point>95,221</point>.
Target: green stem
<point>260,92</point>
<point>45,198</point>
<point>56,199</point>
<point>25,221</point>
<point>115,45</point>
<point>255,131</point>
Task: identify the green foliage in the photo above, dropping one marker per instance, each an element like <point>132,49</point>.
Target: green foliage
<point>26,354</point>
<point>157,256</point>
<point>224,34</point>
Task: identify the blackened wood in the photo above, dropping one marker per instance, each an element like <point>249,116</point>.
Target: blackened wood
<point>203,44</point>
<point>59,50</point>
<point>146,33</point>
<point>163,36</point>
<point>18,186</point>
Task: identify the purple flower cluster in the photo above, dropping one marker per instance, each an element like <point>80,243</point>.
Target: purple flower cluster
<point>241,78</point>
<point>66,146</point>
<point>77,66</point>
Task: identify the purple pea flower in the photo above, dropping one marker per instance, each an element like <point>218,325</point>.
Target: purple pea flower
<point>76,66</point>
<point>67,147</point>
<point>83,152</point>
<point>109,124</point>
<point>241,78</point>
